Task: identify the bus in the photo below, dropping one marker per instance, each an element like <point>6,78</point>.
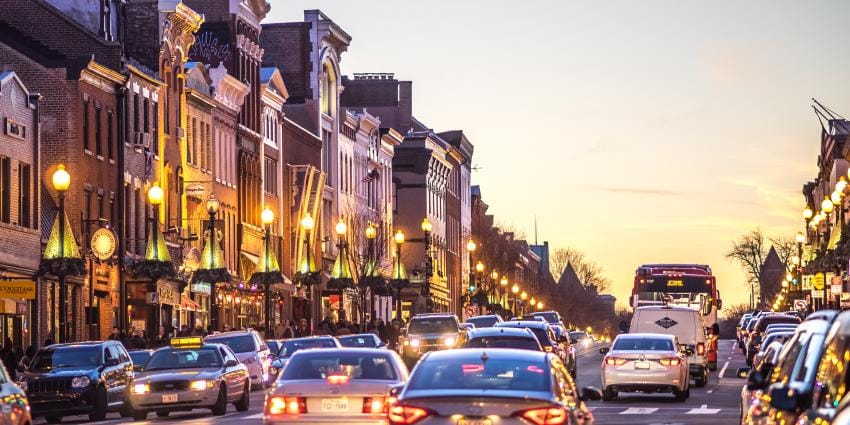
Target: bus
<point>684,285</point>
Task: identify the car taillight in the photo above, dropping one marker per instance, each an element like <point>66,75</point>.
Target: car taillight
<point>337,379</point>
<point>545,416</point>
<point>374,405</point>
<point>406,415</point>
<point>279,405</point>
<point>614,361</point>
<point>700,348</point>
<point>673,361</point>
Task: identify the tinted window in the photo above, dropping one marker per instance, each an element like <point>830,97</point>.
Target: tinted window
<point>763,322</point>
<point>550,317</point>
<point>643,344</point>
<point>139,357</point>
<point>274,346</point>
<point>833,374</point>
<point>79,356</point>
<point>184,358</point>
<point>472,373</point>
<point>358,341</point>
<point>294,345</point>
<point>354,366</point>
<point>427,325</point>
<point>504,342</point>
<point>239,344</point>
<point>808,363</point>
<point>483,321</point>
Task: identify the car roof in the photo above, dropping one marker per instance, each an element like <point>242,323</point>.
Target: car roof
<point>346,350</point>
<point>434,315</point>
<point>522,324</point>
<point>665,308</point>
<point>204,345</point>
<point>842,321</point>
<point>818,326</point>
<point>545,312</point>
<point>495,316</point>
<point>370,335</point>
<point>231,333</point>
<point>492,353</point>
<point>501,330</point>
<point>82,343</point>
<point>828,315</point>
<point>643,335</point>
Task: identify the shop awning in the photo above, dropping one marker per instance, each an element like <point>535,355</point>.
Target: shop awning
<point>187,303</point>
<point>834,236</point>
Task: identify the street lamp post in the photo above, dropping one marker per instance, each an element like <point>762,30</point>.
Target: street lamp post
<point>515,291</point>
<point>827,207</point>
<point>155,195</point>
<point>341,277</point>
<point>523,296</point>
<point>426,230</point>
<point>399,275</point>
<point>471,246</point>
<point>503,292</point>
<point>267,217</point>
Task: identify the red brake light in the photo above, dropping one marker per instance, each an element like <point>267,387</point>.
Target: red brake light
<point>545,416</point>
<point>614,361</point>
<point>337,379</point>
<point>673,361</point>
<point>374,405</point>
<point>700,348</point>
<point>278,405</point>
<point>406,415</point>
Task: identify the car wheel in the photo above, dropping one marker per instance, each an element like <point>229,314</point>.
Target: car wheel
<point>220,406</point>
<point>608,394</point>
<point>700,381</point>
<point>244,402</point>
<point>162,413</point>
<point>680,395</point>
<point>98,412</point>
<point>53,419</point>
<point>139,415</point>
<point>125,411</point>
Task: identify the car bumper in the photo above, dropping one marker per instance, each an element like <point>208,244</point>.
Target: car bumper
<point>186,400</point>
<point>318,419</point>
<point>60,404</point>
<point>644,380</point>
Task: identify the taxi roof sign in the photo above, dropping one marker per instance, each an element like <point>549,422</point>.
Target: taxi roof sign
<point>187,342</point>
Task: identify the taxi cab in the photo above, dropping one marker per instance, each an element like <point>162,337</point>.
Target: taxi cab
<point>190,374</point>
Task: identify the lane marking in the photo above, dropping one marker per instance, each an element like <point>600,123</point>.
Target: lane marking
<point>723,370</point>
<point>639,411</point>
<point>709,391</point>
<point>257,416</point>
<point>702,410</point>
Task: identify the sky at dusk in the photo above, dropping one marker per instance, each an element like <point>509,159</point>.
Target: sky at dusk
<point>635,131</point>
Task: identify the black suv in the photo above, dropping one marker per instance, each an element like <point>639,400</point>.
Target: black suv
<point>78,378</point>
<point>549,341</point>
<point>428,332</point>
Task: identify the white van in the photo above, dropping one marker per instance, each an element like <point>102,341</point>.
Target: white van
<point>683,322</point>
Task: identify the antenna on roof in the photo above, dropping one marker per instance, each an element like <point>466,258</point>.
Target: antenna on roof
<point>535,229</point>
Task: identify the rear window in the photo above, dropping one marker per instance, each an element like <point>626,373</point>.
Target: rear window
<point>294,345</point>
<point>551,317</point>
<point>483,321</point>
<point>239,344</point>
<point>353,366</point>
<point>643,344</point>
<point>763,322</point>
<point>139,357</point>
<point>471,373</point>
<point>357,341</point>
<point>517,342</point>
<point>428,325</point>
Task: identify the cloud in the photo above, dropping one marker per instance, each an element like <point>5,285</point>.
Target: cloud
<point>640,191</point>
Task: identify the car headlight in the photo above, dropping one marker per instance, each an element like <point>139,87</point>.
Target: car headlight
<point>449,341</point>
<point>201,385</point>
<point>80,382</point>
<point>141,388</point>
<point>414,343</point>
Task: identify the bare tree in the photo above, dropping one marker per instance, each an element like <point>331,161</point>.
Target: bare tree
<point>749,251</point>
<point>785,247</point>
<point>589,273</point>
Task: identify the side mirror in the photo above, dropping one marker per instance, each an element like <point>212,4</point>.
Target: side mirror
<point>604,350</point>
<point>719,304</point>
<point>743,372</point>
<point>783,398</point>
<point>590,394</point>
<point>231,363</point>
<point>755,380</point>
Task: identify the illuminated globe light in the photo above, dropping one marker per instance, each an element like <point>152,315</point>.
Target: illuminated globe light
<point>784,283</point>
<point>835,197</point>
<point>371,232</point>
<point>307,222</point>
<point>341,228</point>
<point>426,225</point>
<point>267,216</point>
<point>155,194</point>
<point>795,260</point>
<point>399,237</point>
<point>212,205</point>
<point>515,289</point>
<point>841,184</point>
<point>503,281</point>
<point>808,213</point>
<point>800,237</point>
<point>589,330</point>
<point>540,305</point>
<point>788,277</point>
<point>523,296</point>
<point>479,267</point>
<point>471,246</point>
<point>827,205</point>
<point>61,179</point>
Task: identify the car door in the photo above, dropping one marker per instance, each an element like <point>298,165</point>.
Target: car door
<point>125,372</point>
<point>111,373</point>
<point>234,376</point>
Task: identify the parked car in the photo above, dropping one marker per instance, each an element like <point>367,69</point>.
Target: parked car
<point>14,406</point>
<point>505,386</point>
<point>551,317</point>
<point>335,385</point>
<point>549,341</point>
<point>78,378</point>
<point>500,337</point>
<point>644,362</point>
<point>139,358</point>
<point>367,340</point>
<point>191,374</point>
<point>777,336</point>
<point>795,370</point>
<point>428,332</point>
<point>764,363</point>
<point>739,327</point>
<point>251,350</point>
<point>291,346</point>
<point>757,333</point>
<point>686,325</point>
<point>485,321</point>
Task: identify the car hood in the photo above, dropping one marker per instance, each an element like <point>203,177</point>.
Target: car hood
<point>62,372</point>
<point>432,335</point>
<point>177,374</point>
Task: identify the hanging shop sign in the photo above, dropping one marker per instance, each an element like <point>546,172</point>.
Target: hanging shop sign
<point>103,243</point>
<point>202,288</point>
<point>817,294</point>
<point>818,282</point>
<point>807,282</point>
<point>17,289</point>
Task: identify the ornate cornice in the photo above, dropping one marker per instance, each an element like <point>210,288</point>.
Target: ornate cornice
<point>228,90</point>
<point>251,48</point>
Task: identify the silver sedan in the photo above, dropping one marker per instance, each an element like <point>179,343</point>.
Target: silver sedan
<point>645,362</point>
<point>330,385</point>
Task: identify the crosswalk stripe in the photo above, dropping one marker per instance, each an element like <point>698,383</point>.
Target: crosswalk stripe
<point>639,411</point>
<point>257,416</point>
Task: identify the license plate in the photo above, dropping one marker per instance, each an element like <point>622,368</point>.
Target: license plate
<point>332,405</point>
<point>641,365</point>
<point>169,398</point>
<point>474,421</point>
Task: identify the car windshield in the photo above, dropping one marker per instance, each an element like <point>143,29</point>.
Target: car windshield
<point>238,343</point>
<point>429,325</point>
<point>578,336</point>
<point>518,342</point>
<point>274,346</point>
<point>550,317</point>
<point>456,373</point>
<point>643,344</point>
<point>357,341</point>
<point>320,365</point>
<point>69,356</point>
<point>294,345</point>
<point>173,358</point>
<point>483,321</point>
<point>139,357</point>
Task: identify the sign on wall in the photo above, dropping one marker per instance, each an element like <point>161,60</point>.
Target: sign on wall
<point>17,289</point>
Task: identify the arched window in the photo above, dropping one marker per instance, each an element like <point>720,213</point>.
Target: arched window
<point>327,90</point>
